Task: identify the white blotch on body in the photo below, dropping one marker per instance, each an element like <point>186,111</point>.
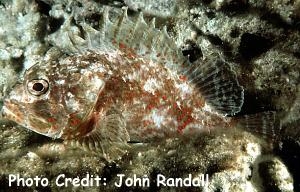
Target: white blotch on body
<point>208,108</point>
<point>194,128</point>
<point>72,103</point>
<point>60,82</point>
<point>151,85</point>
<point>98,82</point>
<point>184,89</point>
<point>133,76</point>
<point>157,118</point>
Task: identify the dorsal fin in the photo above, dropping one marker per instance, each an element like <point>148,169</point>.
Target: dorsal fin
<point>110,137</point>
<point>214,78</point>
<point>137,37</point>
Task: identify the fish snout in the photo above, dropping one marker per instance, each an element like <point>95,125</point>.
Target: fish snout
<point>10,111</point>
<point>3,110</point>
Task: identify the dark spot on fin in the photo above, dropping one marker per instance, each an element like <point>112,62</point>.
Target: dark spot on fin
<point>109,138</point>
<point>265,124</point>
<point>218,85</point>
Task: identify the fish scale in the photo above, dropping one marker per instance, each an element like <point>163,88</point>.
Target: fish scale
<point>127,82</point>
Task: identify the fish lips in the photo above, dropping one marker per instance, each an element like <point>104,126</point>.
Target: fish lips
<point>13,111</point>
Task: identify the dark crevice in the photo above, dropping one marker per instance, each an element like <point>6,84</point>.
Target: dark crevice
<point>275,19</point>
<point>210,14</point>
<point>253,45</point>
<point>191,50</point>
<point>256,102</point>
<point>290,154</point>
<point>94,19</point>
<point>235,7</point>
<point>297,54</point>
<point>110,170</point>
<point>42,30</point>
<point>18,63</point>
<point>37,139</point>
<point>212,169</point>
<point>288,149</point>
<point>215,40</point>
<point>234,33</point>
<point>264,169</point>
<point>54,24</point>
<point>296,22</point>
<point>223,45</point>
<point>43,7</point>
<point>206,1</point>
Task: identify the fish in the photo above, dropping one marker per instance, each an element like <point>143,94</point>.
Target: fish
<point>128,81</point>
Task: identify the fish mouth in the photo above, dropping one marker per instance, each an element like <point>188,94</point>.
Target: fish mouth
<point>11,111</point>
<point>14,112</point>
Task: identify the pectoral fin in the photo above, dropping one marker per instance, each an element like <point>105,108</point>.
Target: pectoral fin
<point>109,138</point>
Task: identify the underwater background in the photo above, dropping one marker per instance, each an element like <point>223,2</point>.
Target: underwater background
<point>259,39</point>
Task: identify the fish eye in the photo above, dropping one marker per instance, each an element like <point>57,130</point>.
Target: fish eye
<point>37,87</point>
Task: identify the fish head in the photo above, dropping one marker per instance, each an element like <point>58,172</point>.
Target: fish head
<point>54,98</point>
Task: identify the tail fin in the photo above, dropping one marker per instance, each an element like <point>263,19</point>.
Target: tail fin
<point>266,124</point>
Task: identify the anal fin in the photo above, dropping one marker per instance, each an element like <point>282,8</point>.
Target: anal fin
<point>109,138</point>
<point>217,83</point>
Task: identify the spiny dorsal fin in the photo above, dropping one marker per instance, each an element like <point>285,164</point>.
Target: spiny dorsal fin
<point>214,78</point>
<point>217,83</point>
<point>144,40</point>
<point>109,138</point>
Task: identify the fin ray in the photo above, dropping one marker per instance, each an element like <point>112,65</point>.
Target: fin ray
<point>217,83</point>
<point>213,78</point>
<point>143,39</point>
<point>110,137</point>
<point>264,123</point>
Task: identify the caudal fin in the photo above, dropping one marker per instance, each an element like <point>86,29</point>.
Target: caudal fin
<point>265,124</point>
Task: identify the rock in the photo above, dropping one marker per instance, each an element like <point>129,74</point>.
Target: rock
<point>258,39</point>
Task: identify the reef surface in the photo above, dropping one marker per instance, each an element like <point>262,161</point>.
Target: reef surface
<point>259,39</point>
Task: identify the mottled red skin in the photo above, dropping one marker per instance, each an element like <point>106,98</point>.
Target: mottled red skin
<point>135,103</point>
<point>124,75</point>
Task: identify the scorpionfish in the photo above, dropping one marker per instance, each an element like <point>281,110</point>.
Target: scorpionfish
<point>127,81</point>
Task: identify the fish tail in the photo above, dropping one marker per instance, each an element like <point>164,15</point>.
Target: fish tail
<point>265,123</point>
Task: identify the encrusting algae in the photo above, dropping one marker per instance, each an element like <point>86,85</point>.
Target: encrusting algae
<point>128,82</point>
